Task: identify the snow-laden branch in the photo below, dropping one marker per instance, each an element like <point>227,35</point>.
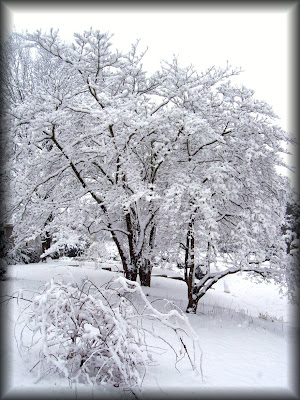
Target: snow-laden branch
<point>116,230</point>
<point>161,105</point>
<point>99,335</point>
<point>201,287</point>
<point>225,132</point>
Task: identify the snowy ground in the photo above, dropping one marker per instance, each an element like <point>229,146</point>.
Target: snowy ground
<point>248,339</point>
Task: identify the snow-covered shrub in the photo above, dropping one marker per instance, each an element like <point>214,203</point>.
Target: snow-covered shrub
<point>74,251</point>
<point>22,255</point>
<point>100,335</point>
<point>97,252</point>
<point>85,337</point>
<point>6,250</point>
<point>66,242</point>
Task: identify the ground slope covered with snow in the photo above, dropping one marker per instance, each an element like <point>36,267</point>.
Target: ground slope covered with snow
<point>247,338</point>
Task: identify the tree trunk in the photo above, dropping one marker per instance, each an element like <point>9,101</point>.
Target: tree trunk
<point>190,266</point>
<point>46,237</point>
<point>145,268</point>
<point>145,273</point>
<point>131,270</point>
<point>192,306</point>
<point>131,273</point>
<point>193,291</point>
<point>46,242</point>
<point>194,298</point>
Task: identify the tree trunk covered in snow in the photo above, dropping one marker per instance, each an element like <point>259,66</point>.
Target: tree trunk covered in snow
<point>190,263</point>
<point>192,305</point>
<point>46,237</point>
<point>145,269</point>
<point>132,271</point>
<point>46,242</point>
<point>131,274</point>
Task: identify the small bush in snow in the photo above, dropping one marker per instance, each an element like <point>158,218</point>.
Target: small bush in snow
<point>97,251</point>
<point>97,335</point>
<point>85,337</point>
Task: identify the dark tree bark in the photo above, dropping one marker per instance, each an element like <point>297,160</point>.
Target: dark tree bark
<point>131,274</point>
<point>132,270</point>
<point>145,273</point>
<point>145,269</point>
<point>189,262</point>
<point>192,301</point>
<point>46,241</point>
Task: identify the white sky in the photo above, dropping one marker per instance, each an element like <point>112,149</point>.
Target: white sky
<point>257,39</point>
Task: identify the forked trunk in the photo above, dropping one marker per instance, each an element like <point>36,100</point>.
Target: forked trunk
<point>145,267</point>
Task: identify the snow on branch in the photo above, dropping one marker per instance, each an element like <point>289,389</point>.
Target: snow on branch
<point>211,278</point>
<point>102,335</point>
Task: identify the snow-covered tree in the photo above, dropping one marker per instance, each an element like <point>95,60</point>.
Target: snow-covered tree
<point>15,80</point>
<point>227,200</point>
<point>291,233</point>
<point>175,159</point>
<point>89,137</point>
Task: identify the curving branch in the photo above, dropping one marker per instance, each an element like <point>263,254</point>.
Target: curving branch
<point>210,279</point>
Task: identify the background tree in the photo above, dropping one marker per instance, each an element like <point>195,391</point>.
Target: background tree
<point>15,82</point>
<point>291,229</point>
<point>291,234</point>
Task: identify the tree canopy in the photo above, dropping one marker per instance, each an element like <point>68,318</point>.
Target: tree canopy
<point>177,161</point>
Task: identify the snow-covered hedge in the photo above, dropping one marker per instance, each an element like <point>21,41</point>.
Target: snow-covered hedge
<point>100,335</point>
